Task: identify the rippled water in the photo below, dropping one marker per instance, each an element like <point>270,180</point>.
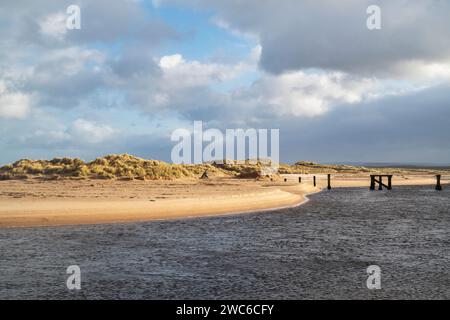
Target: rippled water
<point>316,251</point>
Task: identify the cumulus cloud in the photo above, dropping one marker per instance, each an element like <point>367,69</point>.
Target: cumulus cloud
<point>90,132</point>
<point>169,62</point>
<point>47,133</point>
<point>63,68</point>
<point>308,94</point>
<point>194,73</point>
<point>54,25</point>
<point>13,105</point>
<point>102,21</point>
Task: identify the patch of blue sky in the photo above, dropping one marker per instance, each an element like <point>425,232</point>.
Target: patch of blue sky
<point>204,41</point>
<point>201,39</point>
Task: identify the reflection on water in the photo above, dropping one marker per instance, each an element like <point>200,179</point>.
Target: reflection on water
<point>319,250</point>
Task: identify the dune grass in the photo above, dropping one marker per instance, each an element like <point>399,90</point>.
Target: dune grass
<point>124,167</point>
<point>128,167</point>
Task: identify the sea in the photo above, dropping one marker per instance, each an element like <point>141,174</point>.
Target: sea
<point>327,248</point>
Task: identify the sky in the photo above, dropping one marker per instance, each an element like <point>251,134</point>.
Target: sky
<point>137,70</point>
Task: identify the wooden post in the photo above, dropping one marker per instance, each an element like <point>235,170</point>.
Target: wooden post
<point>314,180</point>
<point>389,182</point>
<point>374,181</point>
<point>205,175</point>
<point>329,181</point>
<point>299,179</point>
<point>438,183</point>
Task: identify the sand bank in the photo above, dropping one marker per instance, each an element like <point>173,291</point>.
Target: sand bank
<point>53,203</point>
<point>28,211</point>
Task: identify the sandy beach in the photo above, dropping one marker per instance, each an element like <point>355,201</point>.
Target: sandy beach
<point>69,202</point>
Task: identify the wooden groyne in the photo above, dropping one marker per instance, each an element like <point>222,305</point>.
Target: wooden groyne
<point>374,180</point>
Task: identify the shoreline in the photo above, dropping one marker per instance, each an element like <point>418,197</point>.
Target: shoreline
<point>216,198</point>
<point>20,214</point>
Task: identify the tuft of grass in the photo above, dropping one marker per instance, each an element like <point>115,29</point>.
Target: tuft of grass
<point>5,176</point>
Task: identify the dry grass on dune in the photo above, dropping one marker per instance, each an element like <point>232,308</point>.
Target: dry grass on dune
<point>123,167</point>
<point>127,167</point>
<point>109,167</point>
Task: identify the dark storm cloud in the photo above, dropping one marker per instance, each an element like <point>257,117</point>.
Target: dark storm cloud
<point>332,34</point>
<point>412,128</point>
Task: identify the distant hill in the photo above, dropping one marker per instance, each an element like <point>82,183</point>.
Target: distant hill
<point>312,167</point>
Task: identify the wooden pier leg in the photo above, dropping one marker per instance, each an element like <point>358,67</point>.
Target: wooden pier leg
<point>314,180</point>
<point>299,179</point>
<point>438,183</point>
<point>389,182</point>
<point>381,183</point>
<point>372,182</point>
<point>329,181</point>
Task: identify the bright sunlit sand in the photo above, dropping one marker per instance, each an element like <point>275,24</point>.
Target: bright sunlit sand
<point>66,202</point>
